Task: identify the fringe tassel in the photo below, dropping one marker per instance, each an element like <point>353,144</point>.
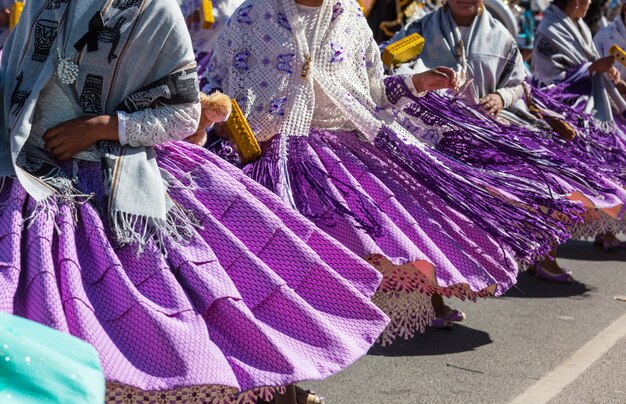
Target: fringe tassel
<point>487,144</point>
<point>506,206</point>
<point>130,229</point>
<point>49,208</point>
<point>303,176</point>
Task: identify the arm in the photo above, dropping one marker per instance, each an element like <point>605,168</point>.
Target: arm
<point>159,125</point>
<point>434,79</point>
<point>510,87</point>
<point>511,94</point>
<point>147,127</point>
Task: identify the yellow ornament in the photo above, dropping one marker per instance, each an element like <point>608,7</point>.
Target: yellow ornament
<point>207,14</point>
<point>240,133</point>
<point>404,50</point>
<point>16,12</point>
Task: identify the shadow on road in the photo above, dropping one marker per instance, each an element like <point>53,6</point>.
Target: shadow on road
<point>436,342</point>
<point>529,286</point>
<point>585,250</point>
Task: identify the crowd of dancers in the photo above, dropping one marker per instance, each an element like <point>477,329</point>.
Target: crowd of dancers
<point>132,219</point>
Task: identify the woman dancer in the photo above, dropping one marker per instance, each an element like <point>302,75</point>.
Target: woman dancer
<point>568,66</point>
<point>309,78</point>
<point>467,38</point>
<point>614,34</point>
<point>188,278</point>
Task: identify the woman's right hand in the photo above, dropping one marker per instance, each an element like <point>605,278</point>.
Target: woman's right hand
<point>435,79</point>
<point>602,65</point>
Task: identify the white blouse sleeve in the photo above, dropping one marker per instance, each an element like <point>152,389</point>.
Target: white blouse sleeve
<point>158,125</point>
<point>511,94</point>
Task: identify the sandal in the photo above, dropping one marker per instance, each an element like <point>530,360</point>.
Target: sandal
<point>565,277</point>
<point>308,397</point>
<point>455,315</point>
<point>607,244</point>
<point>442,323</point>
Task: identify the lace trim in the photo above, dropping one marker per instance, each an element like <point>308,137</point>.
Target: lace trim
<point>595,222</point>
<point>409,312</point>
<point>404,296</point>
<point>123,394</point>
<point>163,124</point>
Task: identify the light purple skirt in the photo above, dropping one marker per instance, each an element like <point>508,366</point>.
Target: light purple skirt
<point>259,297</point>
<point>362,197</point>
<point>591,167</point>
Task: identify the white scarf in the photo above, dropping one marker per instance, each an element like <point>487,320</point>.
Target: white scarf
<point>109,79</point>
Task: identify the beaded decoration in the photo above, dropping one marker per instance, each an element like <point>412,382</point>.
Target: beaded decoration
<point>67,70</point>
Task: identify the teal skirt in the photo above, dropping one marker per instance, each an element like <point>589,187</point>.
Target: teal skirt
<point>39,364</point>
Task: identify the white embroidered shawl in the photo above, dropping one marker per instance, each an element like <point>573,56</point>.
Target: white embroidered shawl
<point>120,69</point>
<point>262,53</point>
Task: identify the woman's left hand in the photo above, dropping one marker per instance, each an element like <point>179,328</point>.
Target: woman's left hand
<point>614,74</point>
<point>492,104</point>
<point>71,137</point>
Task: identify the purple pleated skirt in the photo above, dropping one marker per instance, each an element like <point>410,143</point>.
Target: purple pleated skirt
<point>592,163</point>
<point>361,196</point>
<point>259,297</point>
<point>602,146</point>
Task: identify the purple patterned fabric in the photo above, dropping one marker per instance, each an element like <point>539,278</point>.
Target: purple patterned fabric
<point>601,147</point>
<point>203,59</point>
<point>584,165</point>
<point>358,194</point>
<point>259,297</point>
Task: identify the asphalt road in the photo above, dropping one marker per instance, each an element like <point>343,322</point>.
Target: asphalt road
<point>509,344</point>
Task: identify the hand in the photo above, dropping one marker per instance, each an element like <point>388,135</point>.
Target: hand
<point>71,137</point>
<point>435,79</point>
<point>602,65</point>
<point>614,74</point>
<point>621,87</point>
<point>492,104</point>
<point>219,129</point>
<point>5,16</point>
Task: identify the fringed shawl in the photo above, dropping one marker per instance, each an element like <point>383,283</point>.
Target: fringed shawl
<point>143,59</point>
<point>563,46</point>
